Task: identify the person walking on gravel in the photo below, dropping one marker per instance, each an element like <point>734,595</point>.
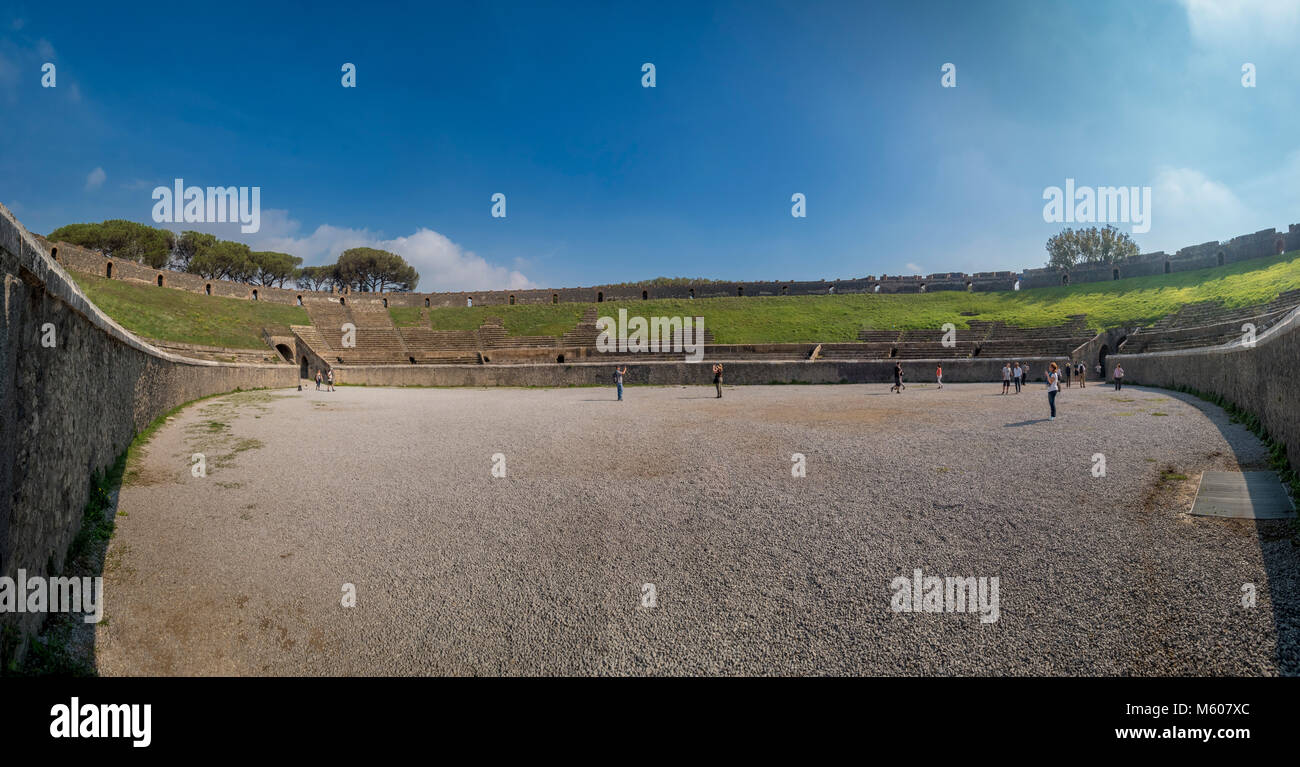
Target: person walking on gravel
<point>938,375</point>
<point>1119,377</point>
<point>717,378</point>
<point>331,379</point>
<point>1006,377</point>
<point>1083,375</point>
<point>898,387</point>
<point>1053,387</point>
<point>618,381</point>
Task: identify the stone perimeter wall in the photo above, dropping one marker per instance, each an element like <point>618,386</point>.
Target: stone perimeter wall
<point>70,410</point>
<point>745,372</point>
<point>1266,242</point>
<point>1260,380</point>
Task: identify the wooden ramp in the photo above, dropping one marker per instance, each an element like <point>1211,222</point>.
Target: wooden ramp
<point>1242,495</point>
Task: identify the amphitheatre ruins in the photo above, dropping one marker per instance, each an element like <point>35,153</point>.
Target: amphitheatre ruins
<point>526,522</point>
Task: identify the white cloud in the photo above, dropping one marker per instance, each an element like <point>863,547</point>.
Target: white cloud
<point>95,179</point>
<point>915,268</point>
<point>1219,22</point>
<point>442,264</point>
<point>1188,208</point>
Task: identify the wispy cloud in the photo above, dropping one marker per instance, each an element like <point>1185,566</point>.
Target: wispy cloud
<point>1219,22</point>
<point>95,179</point>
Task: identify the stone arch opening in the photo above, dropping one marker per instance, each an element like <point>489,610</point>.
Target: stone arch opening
<point>1065,279</point>
<point>922,287</point>
<point>877,289</point>
<point>108,270</point>
<point>600,297</point>
<point>412,359</point>
<point>512,299</point>
<point>560,359</point>
<point>207,289</point>
<point>555,298</point>
<point>385,303</point>
<point>302,367</point>
<point>1167,267</point>
<point>300,300</point>
<point>692,292</point>
<point>285,352</point>
<point>740,290</point>
<point>1279,246</point>
<point>785,290</point>
<point>645,295</point>
<point>255,294</point>
<point>426,303</point>
<point>969,286</point>
<point>54,253</point>
<point>1114,274</point>
<point>160,280</point>
<point>343,301</point>
<point>1101,358</point>
<point>1219,257</point>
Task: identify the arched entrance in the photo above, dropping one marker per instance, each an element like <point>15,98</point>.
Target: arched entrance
<point>302,369</point>
<point>286,353</point>
<point>1101,358</point>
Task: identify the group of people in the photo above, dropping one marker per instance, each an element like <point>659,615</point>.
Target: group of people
<point>619,372</point>
<point>328,380</point>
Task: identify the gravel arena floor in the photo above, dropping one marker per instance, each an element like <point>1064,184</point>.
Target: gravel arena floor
<point>754,571</point>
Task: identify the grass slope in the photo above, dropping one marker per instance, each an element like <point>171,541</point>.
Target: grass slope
<point>179,316</point>
<point>183,317</point>
<point>802,319</point>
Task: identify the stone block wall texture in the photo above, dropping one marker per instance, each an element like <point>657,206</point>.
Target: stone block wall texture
<point>70,410</point>
<point>659,373</point>
<point>1266,242</point>
<point>1261,380</point>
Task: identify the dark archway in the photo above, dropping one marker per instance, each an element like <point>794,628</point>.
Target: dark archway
<point>1101,358</point>
<point>160,280</point>
<point>302,368</point>
<point>600,297</point>
<point>1065,279</point>
<point>1114,274</point>
<point>692,292</point>
<point>385,303</point>
<point>285,352</point>
<point>343,302</point>
<point>1280,246</point>
<point>1220,258</point>
<point>1167,267</point>
<point>108,270</point>
<point>645,295</point>
<point>300,300</point>
<point>512,299</point>
<point>560,358</point>
<point>785,290</point>
<point>254,295</point>
<point>54,253</point>
<point>207,289</point>
<point>426,303</point>
<point>740,291</point>
<point>555,298</point>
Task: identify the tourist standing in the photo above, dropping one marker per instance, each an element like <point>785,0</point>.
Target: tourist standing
<point>331,379</point>
<point>1119,377</point>
<point>1017,374</point>
<point>717,378</point>
<point>938,375</point>
<point>1083,375</point>
<point>1053,387</point>
<point>317,380</point>
<point>618,381</point>
<point>1069,371</point>
<point>897,388</point>
<point>1006,377</point>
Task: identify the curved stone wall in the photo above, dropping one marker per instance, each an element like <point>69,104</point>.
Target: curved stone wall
<point>1261,380</point>
<point>75,388</point>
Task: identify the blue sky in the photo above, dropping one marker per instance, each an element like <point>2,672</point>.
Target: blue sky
<point>607,181</point>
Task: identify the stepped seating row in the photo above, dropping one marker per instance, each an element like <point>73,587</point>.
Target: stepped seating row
<point>1212,313</point>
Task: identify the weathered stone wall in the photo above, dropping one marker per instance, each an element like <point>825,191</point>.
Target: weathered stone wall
<point>70,409</point>
<point>1266,242</point>
<point>675,373</point>
<point>1260,380</point>
<point>1263,243</point>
